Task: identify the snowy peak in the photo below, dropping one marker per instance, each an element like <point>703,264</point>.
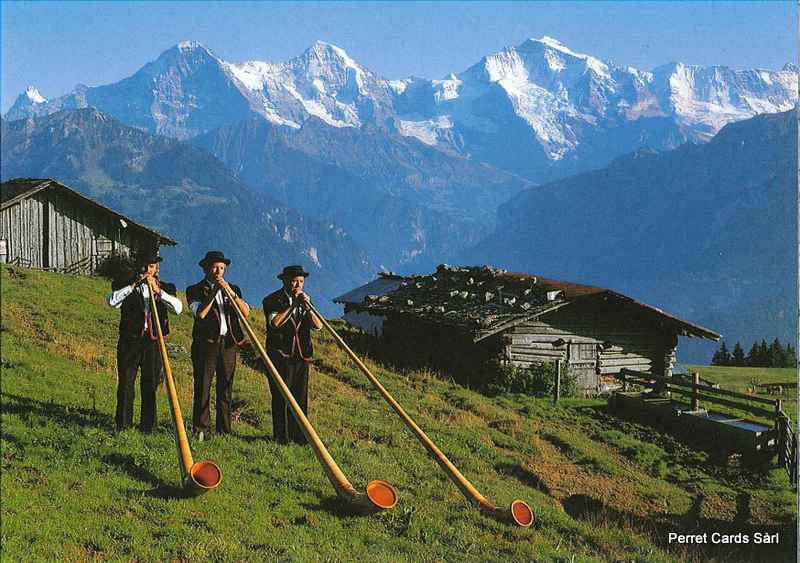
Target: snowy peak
<point>29,103</point>
<point>328,54</point>
<point>34,96</point>
<point>185,57</point>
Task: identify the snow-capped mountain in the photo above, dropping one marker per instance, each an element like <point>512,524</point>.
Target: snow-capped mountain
<point>538,109</point>
<point>560,106</point>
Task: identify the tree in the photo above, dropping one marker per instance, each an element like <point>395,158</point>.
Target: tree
<point>790,357</point>
<point>722,357</point>
<point>752,355</point>
<point>777,355</point>
<point>738,359</point>
<point>763,354</point>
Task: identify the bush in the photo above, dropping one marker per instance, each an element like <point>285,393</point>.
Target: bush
<point>538,380</point>
<point>116,266</point>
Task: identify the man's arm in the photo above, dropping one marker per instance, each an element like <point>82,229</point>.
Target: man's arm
<point>198,306</point>
<point>316,323</point>
<point>277,319</point>
<point>237,293</point>
<point>305,300</point>
<point>116,297</point>
<point>171,301</point>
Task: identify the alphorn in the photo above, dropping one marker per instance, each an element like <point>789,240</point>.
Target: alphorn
<point>379,494</point>
<point>519,512</point>
<point>201,476</point>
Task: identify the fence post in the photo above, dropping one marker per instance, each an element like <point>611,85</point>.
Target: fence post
<point>557,390</point>
<point>624,380</point>
<point>695,391</point>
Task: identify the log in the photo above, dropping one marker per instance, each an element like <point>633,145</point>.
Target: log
<point>644,362</point>
<point>535,357</point>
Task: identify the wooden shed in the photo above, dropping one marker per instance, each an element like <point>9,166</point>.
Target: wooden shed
<point>47,225</point>
<point>458,319</point>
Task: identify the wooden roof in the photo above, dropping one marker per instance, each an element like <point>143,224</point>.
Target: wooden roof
<point>486,300</point>
<point>16,190</point>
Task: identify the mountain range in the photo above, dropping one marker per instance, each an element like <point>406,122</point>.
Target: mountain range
<point>538,109</point>
<point>707,231</point>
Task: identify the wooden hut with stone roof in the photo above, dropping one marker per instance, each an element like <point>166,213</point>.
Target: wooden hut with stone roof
<point>458,320</point>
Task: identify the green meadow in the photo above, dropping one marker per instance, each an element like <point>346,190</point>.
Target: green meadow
<point>602,488</point>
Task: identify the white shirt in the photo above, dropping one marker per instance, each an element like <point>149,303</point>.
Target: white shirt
<point>115,299</point>
<point>223,323</point>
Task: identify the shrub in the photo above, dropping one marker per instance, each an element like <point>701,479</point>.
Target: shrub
<point>538,380</point>
<point>116,266</point>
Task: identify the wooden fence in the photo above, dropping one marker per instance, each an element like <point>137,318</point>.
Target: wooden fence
<point>85,265</point>
<point>786,442</point>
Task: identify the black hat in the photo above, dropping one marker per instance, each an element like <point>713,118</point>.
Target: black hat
<point>147,258</point>
<point>214,256</point>
<point>292,272</point>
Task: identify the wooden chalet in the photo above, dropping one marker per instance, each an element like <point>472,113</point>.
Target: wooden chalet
<point>49,226</point>
<point>459,319</point>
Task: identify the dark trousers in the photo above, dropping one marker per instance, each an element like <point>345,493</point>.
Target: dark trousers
<point>132,354</point>
<point>294,372</point>
<point>207,359</point>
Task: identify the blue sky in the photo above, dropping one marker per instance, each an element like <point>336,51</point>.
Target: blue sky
<point>56,45</point>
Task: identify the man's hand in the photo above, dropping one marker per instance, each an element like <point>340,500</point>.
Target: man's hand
<point>222,283</point>
<point>302,298</point>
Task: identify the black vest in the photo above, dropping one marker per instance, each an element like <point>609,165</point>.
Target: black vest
<point>132,317</point>
<point>293,338</point>
<point>207,329</point>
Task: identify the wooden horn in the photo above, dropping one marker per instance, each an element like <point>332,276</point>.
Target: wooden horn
<point>519,512</point>
<point>379,494</point>
<point>197,477</point>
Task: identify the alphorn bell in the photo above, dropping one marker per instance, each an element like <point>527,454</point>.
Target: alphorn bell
<point>197,477</point>
<point>519,512</point>
<point>379,494</point>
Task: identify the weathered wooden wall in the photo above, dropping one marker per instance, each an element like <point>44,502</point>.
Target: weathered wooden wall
<point>593,341</point>
<point>22,227</point>
<point>54,230</point>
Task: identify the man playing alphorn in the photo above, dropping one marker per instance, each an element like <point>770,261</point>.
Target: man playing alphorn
<point>138,339</point>
<point>289,324</point>
<point>215,338</point>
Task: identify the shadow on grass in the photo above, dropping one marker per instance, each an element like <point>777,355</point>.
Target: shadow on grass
<point>10,438</point>
<point>67,415</point>
<point>658,527</point>
<point>524,476</point>
<point>340,508</point>
<point>159,489</point>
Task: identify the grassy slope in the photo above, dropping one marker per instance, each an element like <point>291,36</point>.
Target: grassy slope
<point>602,489</point>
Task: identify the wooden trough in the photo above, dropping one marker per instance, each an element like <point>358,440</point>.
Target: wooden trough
<point>724,432</point>
<point>729,433</point>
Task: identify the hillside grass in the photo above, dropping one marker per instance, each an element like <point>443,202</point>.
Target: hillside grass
<point>602,489</point>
